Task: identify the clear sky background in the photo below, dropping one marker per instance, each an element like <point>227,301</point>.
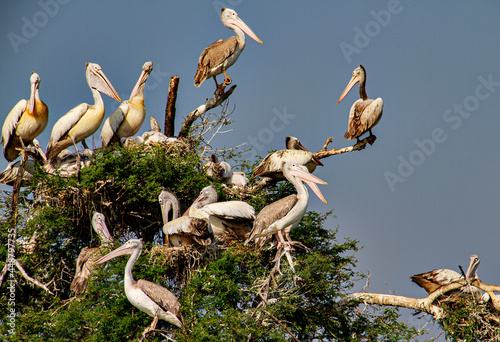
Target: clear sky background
<point>424,196</point>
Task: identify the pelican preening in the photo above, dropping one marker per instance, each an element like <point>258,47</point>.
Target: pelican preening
<point>83,120</point>
<point>182,230</point>
<point>286,213</point>
<point>433,280</point>
<point>219,56</point>
<point>365,113</point>
<point>127,119</point>
<point>153,299</point>
<point>25,121</point>
<point>84,263</point>
<point>271,165</point>
<point>231,218</point>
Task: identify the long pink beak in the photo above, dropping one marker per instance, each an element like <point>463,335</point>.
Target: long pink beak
<point>352,82</point>
<point>123,250</point>
<point>310,180</point>
<point>241,24</point>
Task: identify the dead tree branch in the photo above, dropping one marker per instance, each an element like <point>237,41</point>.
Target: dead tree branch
<point>170,108</point>
<point>323,153</point>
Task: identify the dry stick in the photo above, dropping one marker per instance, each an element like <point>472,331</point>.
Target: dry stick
<point>323,153</point>
<point>31,280</point>
<point>170,108</point>
<point>219,97</point>
<point>282,325</point>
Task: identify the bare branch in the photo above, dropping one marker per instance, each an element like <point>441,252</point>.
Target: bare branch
<point>170,108</point>
<point>323,153</point>
<point>31,280</point>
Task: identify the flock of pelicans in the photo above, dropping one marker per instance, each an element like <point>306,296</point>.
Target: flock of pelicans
<point>206,218</point>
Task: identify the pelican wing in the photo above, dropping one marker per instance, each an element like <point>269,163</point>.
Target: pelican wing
<point>160,296</point>
<point>84,268</point>
<point>230,210</point>
<point>213,56</point>
<point>270,214</point>
<point>432,280</point>
<point>9,175</point>
<point>113,122</point>
<point>197,228</point>
<point>66,122</point>
<point>271,165</point>
<point>10,123</point>
<point>363,116</point>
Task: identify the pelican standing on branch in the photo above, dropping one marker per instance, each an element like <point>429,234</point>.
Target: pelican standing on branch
<point>285,214</point>
<point>25,121</point>
<point>365,113</point>
<point>127,119</point>
<point>153,299</point>
<point>219,56</point>
<point>89,255</point>
<point>83,120</point>
<point>182,230</point>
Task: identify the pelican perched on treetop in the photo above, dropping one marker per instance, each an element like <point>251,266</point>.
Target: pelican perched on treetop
<point>365,113</point>
<point>153,299</point>
<point>83,120</point>
<point>219,56</point>
<point>127,119</point>
<point>285,214</point>
<point>25,121</point>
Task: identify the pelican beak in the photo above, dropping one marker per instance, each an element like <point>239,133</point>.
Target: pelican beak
<point>310,180</point>
<point>102,84</point>
<point>355,79</point>
<point>123,250</point>
<point>241,24</point>
<point>146,71</point>
<point>34,88</point>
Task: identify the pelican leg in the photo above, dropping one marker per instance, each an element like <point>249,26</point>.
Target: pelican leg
<point>295,243</point>
<point>85,144</point>
<point>78,160</point>
<point>151,327</point>
<point>228,79</point>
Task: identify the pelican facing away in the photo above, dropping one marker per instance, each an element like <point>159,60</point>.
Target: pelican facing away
<point>89,255</point>
<point>230,218</point>
<point>365,113</point>
<point>83,120</point>
<point>183,230</point>
<point>271,165</point>
<point>25,121</point>
<point>286,213</point>
<point>433,280</point>
<point>153,299</point>
<point>219,56</point>
<point>127,119</point>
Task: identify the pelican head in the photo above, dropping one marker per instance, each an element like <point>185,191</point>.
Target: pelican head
<point>98,81</point>
<point>207,195</point>
<point>99,224</point>
<point>168,201</point>
<point>293,143</point>
<point>231,20</point>
<point>301,173</point>
<point>358,75</point>
<point>130,247</point>
<point>471,273</point>
<point>35,83</point>
<point>147,68</point>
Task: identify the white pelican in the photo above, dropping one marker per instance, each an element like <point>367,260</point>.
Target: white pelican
<point>25,121</point>
<point>215,168</point>
<point>230,219</point>
<point>127,119</point>
<point>182,230</point>
<point>83,120</point>
<point>89,255</point>
<point>286,213</point>
<point>433,280</point>
<point>271,165</point>
<point>238,179</point>
<point>365,113</point>
<point>219,56</point>
<point>153,299</point>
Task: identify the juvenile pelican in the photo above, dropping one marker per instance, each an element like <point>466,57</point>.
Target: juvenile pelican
<point>89,255</point>
<point>25,121</point>
<point>127,119</point>
<point>153,299</point>
<point>184,230</point>
<point>219,56</point>
<point>83,120</point>
<point>231,218</point>
<point>286,213</point>
<point>365,113</point>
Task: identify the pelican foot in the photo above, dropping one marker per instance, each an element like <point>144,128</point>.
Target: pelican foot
<point>372,139</point>
<point>152,327</point>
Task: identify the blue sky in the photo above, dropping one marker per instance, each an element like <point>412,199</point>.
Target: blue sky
<point>424,196</point>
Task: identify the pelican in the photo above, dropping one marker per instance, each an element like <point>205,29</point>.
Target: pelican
<point>286,213</point>
<point>215,168</point>
<point>433,280</point>
<point>83,120</point>
<point>89,255</point>
<point>10,174</point>
<point>25,121</point>
<point>231,218</point>
<point>271,165</point>
<point>365,113</point>
<point>182,230</point>
<point>127,119</point>
<point>153,299</point>
<point>219,56</point>
<point>238,179</point>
